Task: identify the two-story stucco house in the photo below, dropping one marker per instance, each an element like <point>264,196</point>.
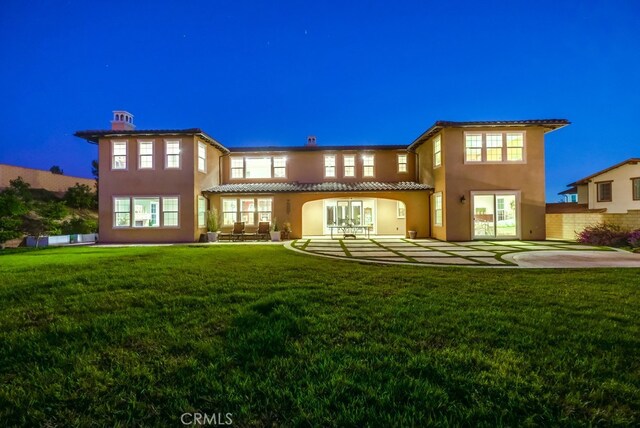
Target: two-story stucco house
<point>458,181</point>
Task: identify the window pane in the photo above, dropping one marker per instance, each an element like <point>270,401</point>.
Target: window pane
<point>437,155</point>
<point>279,173</point>
<point>202,150</point>
<point>170,219</point>
<point>229,205</point>
<point>146,148</point>
<point>173,161</point>
<point>349,171</point>
<point>173,147</point>
<point>247,205</point>
<point>228,218</point>
<point>514,153</point>
<point>122,204</point>
<point>368,171</point>
<point>402,163</point>
<point>145,212</point>
<point>349,160</point>
<point>170,204</point>
<point>119,149</point>
<point>264,204</point>
<point>236,173</point>
<point>123,219</point>
<point>330,160</point>
<point>279,162</point>
<point>258,167</point>
<point>515,140</point>
<point>237,163</point>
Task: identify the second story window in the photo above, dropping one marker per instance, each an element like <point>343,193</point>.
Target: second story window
<point>635,187</point>
<point>237,168</point>
<point>202,157</point>
<point>368,165</point>
<point>330,166</point>
<point>473,148</point>
<point>349,165</point>
<point>257,168</point>
<point>494,147</point>
<point>604,191</point>
<point>119,155</point>
<point>173,154</point>
<point>145,154</point>
<point>515,146</point>
<point>279,167</point>
<point>402,162</point>
<point>437,151</point>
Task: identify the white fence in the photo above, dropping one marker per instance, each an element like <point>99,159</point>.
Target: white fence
<point>47,241</point>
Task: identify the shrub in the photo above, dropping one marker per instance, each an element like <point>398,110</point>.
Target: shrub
<point>79,225</point>
<point>634,238</point>
<point>80,196</point>
<point>607,234</point>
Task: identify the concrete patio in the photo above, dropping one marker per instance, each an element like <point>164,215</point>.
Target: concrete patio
<point>530,254</point>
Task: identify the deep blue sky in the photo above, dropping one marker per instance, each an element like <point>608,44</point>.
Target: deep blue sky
<point>252,73</point>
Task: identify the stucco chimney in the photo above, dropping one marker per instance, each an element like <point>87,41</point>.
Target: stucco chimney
<point>311,141</point>
<point>122,121</point>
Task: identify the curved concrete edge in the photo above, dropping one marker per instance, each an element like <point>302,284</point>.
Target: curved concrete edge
<point>559,259</point>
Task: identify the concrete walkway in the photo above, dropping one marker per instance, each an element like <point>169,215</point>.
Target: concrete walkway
<point>531,254</point>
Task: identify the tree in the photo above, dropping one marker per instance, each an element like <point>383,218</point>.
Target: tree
<point>95,170</point>
<point>12,208</point>
<point>21,188</point>
<point>80,196</point>
<point>48,220</point>
<point>56,170</point>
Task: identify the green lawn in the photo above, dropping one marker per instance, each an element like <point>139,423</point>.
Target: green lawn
<point>138,336</point>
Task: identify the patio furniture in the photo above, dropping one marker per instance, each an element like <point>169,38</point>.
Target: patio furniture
<point>350,231</point>
<point>237,234</point>
<point>263,230</point>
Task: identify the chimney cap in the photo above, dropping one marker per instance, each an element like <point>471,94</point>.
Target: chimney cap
<point>122,120</point>
<point>311,141</point>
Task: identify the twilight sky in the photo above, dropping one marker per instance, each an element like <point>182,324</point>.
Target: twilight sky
<point>375,72</point>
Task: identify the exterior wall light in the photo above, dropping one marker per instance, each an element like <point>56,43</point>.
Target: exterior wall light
<point>463,200</point>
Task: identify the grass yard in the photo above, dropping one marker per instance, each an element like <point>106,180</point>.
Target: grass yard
<point>139,336</point>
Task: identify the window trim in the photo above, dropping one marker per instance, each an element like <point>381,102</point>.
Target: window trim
<point>166,154</point>
<point>126,155</point>
<point>274,167</point>
<point>598,197</point>
<point>335,165</point>
<point>633,183</point>
<point>438,138</point>
<point>345,166</point>
<point>152,155</point>
<point>372,166</point>
<point>436,196</point>
<point>405,163</point>
<point>483,148</point>
<point>204,146</point>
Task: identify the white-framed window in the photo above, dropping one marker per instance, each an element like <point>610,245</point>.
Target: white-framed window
<point>264,209</point>
<point>473,148</point>
<point>279,167</point>
<point>145,154</point>
<point>121,212</point>
<point>349,165</point>
<point>635,188</point>
<point>172,150</point>
<point>146,212</point>
<point>229,211</point>
<point>170,211</point>
<point>401,209</point>
<point>249,210</point>
<point>368,165</point>
<point>257,167</point>
<point>237,167</point>
<point>330,166</point>
<point>119,155</point>
<point>202,157</point>
<point>202,212</point>
<point>402,162</point>
<point>437,209</point>
<point>494,147</point>
<point>515,146</point>
<point>437,151</point>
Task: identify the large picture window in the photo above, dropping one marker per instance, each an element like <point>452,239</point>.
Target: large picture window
<point>172,154</point>
<point>145,212</point>
<point>349,165</point>
<point>257,167</point>
<point>145,154</point>
<point>119,155</point>
<point>249,210</point>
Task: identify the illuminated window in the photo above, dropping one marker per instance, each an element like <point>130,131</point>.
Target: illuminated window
<point>264,209</point>
<point>145,154</point>
<point>280,167</point>
<point>173,154</point>
<point>237,168</point>
<point>368,165</point>
<point>229,211</point>
<point>330,166</point>
<point>494,147</point>
<point>401,209</point>
<point>473,148</point>
<point>202,211</point>
<point>119,152</point>
<point>437,205</point>
<point>145,212</point>
<point>247,211</point>
<point>515,146</point>
<point>437,151</point>
<point>170,208</point>
<point>257,168</point>
<point>202,157</point>
<point>402,163</point>
<point>349,165</point>
<point>122,212</point>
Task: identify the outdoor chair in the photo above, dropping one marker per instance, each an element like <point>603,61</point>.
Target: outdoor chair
<point>237,234</point>
<point>263,230</point>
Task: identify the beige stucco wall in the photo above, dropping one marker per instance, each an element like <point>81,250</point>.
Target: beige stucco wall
<point>583,193</point>
<point>434,176</point>
<point>621,189</point>
<point>312,217</point>
<point>40,179</point>
<point>566,226</point>
<point>308,166</point>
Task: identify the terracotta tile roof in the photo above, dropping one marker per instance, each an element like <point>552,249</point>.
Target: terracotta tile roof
<point>551,124</point>
<point>585,180</point>
<point>94,135</point>
<point>571,207</point>
<point>369,186</point>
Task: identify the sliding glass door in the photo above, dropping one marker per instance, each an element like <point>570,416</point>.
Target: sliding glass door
<point>495,215</point>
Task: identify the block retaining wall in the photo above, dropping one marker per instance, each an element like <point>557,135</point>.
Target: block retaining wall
<point>567,225</point>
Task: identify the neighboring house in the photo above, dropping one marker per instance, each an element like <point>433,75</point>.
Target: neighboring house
<point>40,179</point>
<point>611,195</point>
<point>458,181</point>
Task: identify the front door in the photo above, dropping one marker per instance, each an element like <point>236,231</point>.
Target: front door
<point>495,215</point>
